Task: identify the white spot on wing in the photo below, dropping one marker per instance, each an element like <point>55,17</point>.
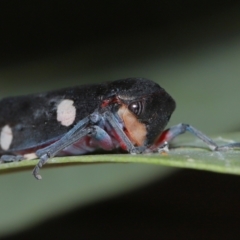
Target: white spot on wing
<point>66,112</point>
<point>6,137</point>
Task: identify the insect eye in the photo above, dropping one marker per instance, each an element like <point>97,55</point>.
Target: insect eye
<point>136,107</point>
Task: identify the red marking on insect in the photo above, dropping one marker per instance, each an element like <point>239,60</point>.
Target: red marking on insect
<point>164,137</point>
<point>110,101</point>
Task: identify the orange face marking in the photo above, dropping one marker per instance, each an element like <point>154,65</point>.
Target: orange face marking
<point>135,130</point>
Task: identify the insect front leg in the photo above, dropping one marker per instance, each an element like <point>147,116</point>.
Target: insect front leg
<point>181,128</point>
<point>229,146</point>
<point>169,134</point>
<point>113,122</point>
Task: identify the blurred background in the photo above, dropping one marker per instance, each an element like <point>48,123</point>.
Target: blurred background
<point>191,48</point>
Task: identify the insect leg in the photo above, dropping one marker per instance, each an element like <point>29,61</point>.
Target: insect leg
<point>113,122</point>
<point>11,158</point>
<point>169,134</point>
<point>78,131</point>
<point>229,146</point>
<point>101,138</point>
<point>45,153</point>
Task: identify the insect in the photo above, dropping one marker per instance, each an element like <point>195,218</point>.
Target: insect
<point>130,114</point>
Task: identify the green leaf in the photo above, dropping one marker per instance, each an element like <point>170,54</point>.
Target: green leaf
<point>187,153</point>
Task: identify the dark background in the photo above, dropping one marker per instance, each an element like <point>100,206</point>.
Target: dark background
<point>31,30</point>
<point>187,205</point>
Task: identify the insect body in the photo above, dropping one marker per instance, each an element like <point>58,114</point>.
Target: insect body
<point>130,114</point>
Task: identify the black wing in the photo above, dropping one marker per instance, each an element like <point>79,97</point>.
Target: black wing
<point>33,118</point>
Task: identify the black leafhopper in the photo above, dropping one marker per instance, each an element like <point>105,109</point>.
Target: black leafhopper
<point>130,114</point>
